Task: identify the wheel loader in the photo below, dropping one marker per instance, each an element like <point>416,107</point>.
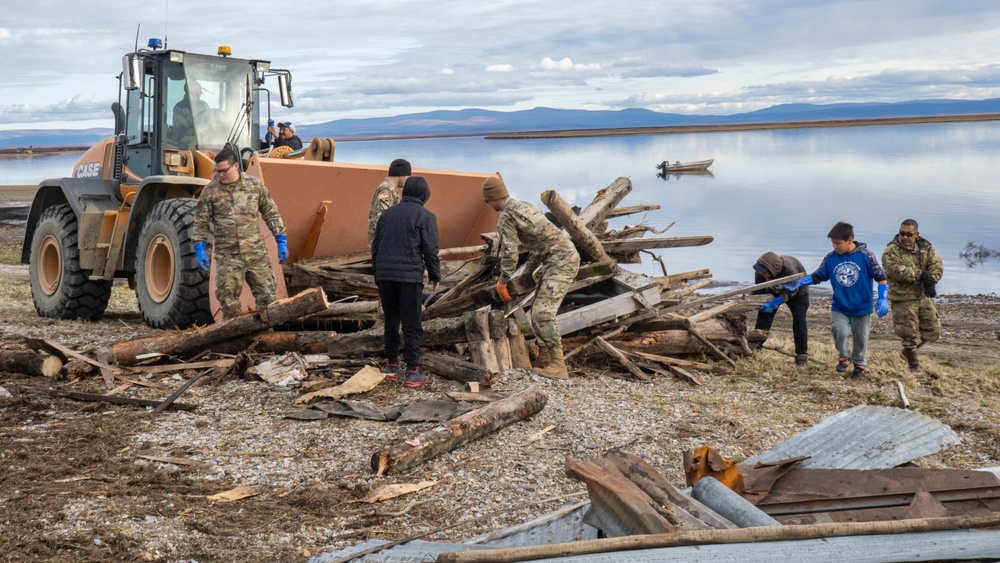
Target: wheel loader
<point>127,209</point>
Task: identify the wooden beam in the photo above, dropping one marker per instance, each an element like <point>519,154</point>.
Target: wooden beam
<point>578,232</point>
<point>104,398</point>
<point>606,310</point>
<point>622,211</point>
<point>605,201</point>
<point>733,293</point>
<point>617,355</point>
<point>634,244</point>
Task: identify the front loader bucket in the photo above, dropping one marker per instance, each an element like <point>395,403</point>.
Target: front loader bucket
<point>325,204</point>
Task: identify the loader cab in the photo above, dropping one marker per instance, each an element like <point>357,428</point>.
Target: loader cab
<point>186,101</point>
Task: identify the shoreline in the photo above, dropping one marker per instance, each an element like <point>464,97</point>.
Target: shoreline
<point>612,131</point>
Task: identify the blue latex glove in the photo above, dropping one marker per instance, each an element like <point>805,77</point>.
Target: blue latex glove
<point>772,305</point>
<point>801,282</point>
<point>282,241</point>
<point>201,255</point>
<point>882,304</point>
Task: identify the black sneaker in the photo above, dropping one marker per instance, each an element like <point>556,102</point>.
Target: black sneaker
<point>843,364</point>
<point>391,371</point>
<point>413,378</point>
<point>801,359</point>
<point>859,371</point>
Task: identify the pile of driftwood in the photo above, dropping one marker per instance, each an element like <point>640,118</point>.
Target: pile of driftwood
<point>641,322</point>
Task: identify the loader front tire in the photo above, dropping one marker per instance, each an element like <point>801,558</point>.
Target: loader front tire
<point>172,291</point>
<point>61,289</point>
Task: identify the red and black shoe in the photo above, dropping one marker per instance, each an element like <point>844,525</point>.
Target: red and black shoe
<point>859,371</point>
<point>391,371</point>
<point>413,378</point>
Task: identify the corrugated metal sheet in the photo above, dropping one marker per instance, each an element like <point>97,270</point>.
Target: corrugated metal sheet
<point>561,526</point>
<point>864,437</point>
<point>926,546</point>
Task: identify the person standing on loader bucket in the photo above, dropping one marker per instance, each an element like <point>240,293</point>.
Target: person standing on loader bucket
<point>523,225</point>
<point>228,207</point>
<point>387,194</point>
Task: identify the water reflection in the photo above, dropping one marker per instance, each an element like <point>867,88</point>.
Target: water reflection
<point>678,175</point>
<point>975,254</point>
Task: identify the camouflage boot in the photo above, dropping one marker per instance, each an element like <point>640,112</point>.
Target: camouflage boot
<point>557,366</point>
<point>544,358</point>
<point>912,358</point>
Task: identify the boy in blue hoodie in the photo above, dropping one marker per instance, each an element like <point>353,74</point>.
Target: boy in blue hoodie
<point>851,268</point>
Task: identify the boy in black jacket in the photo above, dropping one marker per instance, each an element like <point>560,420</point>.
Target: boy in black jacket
<point>406,241</point>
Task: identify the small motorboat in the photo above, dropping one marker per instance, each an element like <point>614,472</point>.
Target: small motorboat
<point>679,166</point>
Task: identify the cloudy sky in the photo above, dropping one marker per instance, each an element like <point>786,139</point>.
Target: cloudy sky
<point>372,58</point>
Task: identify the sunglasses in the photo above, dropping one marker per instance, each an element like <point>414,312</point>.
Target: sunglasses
<point>903,234</point>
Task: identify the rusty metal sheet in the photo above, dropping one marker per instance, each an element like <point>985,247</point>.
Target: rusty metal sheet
<point>864,437</point>
<point>842,495</point>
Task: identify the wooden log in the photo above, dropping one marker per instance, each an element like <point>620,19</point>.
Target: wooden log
<point>477,331</point>
<point>459,430</point>
<point>605,201</point>
<point>437,332</point>
<point>179,343</point>
<point>348,309</point>
<point>665,343</point>
<point>455,369</point>
<point>29,363</point>
<point>705,537</point>
<point>477,279</point>
<point>499,336</point>
<point>335,282</point>
<point>519,357</point>
<point>584,239</point>
<point>462,250</point>
<point>281,342</point>
<point>104,398</point>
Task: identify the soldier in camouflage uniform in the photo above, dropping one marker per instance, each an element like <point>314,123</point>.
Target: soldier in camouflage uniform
<point>913,268</point>
<point>387,194</point>
<point>523,226</point>
<point>227,212</point>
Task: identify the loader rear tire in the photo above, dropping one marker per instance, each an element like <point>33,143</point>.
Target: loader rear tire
<point>171,289</point>
<point>60,288</point>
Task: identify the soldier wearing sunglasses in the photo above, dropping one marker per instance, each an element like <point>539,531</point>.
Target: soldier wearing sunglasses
<point>913,268</point>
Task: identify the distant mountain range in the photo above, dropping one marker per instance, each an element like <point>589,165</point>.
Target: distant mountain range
<point>483,122</point>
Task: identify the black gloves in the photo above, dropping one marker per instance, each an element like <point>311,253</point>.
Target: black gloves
<point>930,286</point>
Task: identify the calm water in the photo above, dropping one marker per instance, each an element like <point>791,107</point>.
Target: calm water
<point>770,190</point>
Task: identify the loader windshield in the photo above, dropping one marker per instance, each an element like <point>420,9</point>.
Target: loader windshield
<point>205,103</point>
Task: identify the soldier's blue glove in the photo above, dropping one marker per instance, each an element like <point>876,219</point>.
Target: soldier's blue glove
<point>882,304</point>
<point>282,241</point>
<point>801,282</point>
<point>201,256</point>
<point>772,305</point>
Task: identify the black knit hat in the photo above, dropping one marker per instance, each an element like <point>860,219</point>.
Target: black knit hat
<point>417,187</point>
<point>400,167</point>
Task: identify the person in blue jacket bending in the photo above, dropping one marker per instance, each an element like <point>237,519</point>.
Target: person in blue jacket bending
<point>851,268</point>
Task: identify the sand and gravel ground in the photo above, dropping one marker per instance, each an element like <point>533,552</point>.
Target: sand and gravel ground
<point>73,486</point>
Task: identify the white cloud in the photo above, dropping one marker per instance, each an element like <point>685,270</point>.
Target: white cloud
<point>500,68</point>
<point>566,64</point>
